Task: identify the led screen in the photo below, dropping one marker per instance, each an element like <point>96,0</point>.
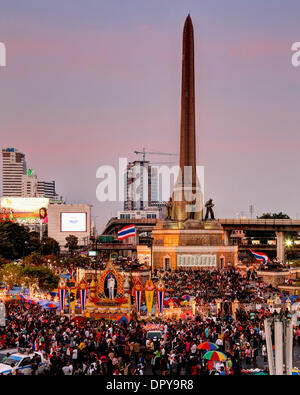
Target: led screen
<point>73,222</point>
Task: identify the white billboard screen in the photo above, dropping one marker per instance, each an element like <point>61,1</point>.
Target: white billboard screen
<point>73,222</point>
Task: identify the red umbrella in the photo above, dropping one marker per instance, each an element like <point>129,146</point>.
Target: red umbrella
<point>207,346</point>
<point>51,306</point>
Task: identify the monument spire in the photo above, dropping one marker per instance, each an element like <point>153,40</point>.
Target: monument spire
<point>187,194</point>
<point>187,129</point>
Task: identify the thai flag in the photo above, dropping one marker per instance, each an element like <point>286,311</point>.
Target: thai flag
<point>260,257</point>
<point>35,346</point>
<point>128,231</point>
<point>62,296</point>
<point>138,299</point>
<point>160,300</point>
<point>83,296</point>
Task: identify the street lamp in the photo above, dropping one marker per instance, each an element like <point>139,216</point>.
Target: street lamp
<point>150,245</point>
<point>289,244</point>
<point>24,246</point>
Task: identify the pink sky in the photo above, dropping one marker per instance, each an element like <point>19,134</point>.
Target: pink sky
<point>87,82</point>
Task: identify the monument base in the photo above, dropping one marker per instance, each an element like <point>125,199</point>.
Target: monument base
<point>191,245</point>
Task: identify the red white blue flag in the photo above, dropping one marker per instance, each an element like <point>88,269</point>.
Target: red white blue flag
<point>138,288</point>
<point>62,297</point>
<point>128,231</point>
<point>62,285</point>
<point>35,346</point>
<point>260,257</point>
<point>160,291</point>
<point>82,295</point>
<point>83,289</point>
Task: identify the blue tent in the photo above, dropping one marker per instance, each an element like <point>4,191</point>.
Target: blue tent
<point>123,319</point>
<point>43,302</point>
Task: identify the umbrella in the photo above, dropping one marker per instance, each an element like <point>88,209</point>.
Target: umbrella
<point>51,306</point>
<point>43,302</point>
<point>207,346</point>
<point>18,297</point>
<point>260,374</point>
<point>123,319</point>
<point>215,356</point>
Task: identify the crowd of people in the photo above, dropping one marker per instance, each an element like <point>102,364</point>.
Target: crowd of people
<point>226,284</point>
<point>102,347</point>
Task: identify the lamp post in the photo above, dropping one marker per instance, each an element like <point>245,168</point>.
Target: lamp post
<point>43,244</point>
<point>150,245</point>
<point>289,244</point>
<point>24,246</point>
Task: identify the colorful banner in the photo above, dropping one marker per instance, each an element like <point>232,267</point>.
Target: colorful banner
<point>62,286</point>
<point>24,210</point>
<point>149,292</point>
<point>138,289</point>
<point>160,291</point>
<point>83,289</point>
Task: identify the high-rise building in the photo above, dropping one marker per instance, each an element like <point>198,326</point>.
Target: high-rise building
<point>141,186</point>
<point>29,185</point>
<point>13,170</point>
<point>137,185</point>
<point>17,181</point>
<point>46,189</point>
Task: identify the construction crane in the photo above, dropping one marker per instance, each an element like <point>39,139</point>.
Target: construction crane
<point>144,152</point>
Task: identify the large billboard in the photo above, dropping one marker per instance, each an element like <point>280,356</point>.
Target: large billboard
<point>24,210</point>
<point>73,222</point>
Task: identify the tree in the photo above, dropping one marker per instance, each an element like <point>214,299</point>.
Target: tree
<point>72,243</point>
<point>3,261</point>
<point>11,274</point>
<point>16,241</point>
<point>274,216</point>
<point>42,276</point>
<point>77,261</point>
<point>34,258</point>
<point>49,246</point>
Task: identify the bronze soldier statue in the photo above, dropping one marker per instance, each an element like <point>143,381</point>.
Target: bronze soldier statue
<point>209,209</point>
<point>169,209</point>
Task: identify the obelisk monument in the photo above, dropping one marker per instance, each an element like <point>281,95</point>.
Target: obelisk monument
<point>187,197</point>
<point>183,240</point>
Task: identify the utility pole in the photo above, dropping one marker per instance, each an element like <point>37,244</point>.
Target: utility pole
<point>251,209</point>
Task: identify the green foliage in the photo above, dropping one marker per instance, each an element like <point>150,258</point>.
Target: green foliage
<point>76,261</point>
<point>274,216</point>
<point>14,274</point>
<point>72,243</point>
<point>11,274</point>
<point>34,258</point>
<point>49,246</point>
<point>12,240</point>
<point>17,241</point>
<point>3,261</point>
<point>45,278</point>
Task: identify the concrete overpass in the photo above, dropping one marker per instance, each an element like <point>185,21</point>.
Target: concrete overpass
<point>141,225</point>
<point>275,225</point>
<point>279,226</point>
